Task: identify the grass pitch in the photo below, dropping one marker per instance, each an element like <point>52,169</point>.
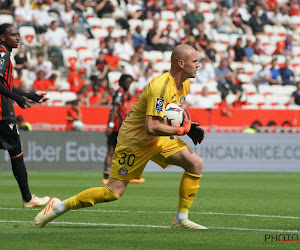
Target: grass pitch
<point>238,208</point>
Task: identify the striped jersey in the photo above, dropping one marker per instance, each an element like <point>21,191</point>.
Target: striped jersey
<point>6,78</point>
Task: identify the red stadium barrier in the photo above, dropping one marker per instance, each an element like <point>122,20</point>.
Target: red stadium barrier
<point>98,116</point>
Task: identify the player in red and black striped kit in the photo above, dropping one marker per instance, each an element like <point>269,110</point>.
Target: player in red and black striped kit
<point>118,113</point>
<point>9,135</point>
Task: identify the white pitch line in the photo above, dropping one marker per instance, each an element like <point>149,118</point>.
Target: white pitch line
<point>167,212</point>
<point>154,226</point>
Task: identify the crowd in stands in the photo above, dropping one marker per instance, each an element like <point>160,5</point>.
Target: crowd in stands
<point>249,50</point>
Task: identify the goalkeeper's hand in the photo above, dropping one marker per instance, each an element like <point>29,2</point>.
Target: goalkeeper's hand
<point>186,124</point>
<point>196,133</point>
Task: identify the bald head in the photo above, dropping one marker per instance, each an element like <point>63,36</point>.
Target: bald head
<point>181,51</point>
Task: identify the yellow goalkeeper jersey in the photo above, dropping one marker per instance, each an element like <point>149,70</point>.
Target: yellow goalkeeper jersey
<point>155,97</point>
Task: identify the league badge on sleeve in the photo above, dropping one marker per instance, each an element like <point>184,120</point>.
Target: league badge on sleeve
<point>1,63</point>
<point>159,104</point>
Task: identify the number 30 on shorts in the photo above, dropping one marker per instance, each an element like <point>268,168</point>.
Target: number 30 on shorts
<point>129,159</point>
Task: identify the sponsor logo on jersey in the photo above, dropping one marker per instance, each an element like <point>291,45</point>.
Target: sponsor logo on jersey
<point>159,104</point>
<point>2,54</point>
<point>182,99</point>
<point>123,171</point>
<point>2,63</point>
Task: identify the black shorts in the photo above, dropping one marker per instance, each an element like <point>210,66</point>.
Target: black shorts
<point>112,139</point>
<point>9,135</point>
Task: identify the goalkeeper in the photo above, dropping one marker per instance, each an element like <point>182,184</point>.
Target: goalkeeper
<point>143,137</point>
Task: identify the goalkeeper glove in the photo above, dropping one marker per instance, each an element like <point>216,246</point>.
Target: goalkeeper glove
<point>196,133</point>
<point>186,124</point>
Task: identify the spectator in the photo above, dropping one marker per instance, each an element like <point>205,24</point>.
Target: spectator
<point>102,48</point>
<point>53,40</point>
<point>258,48</point>
<point>287,75</point>
<point>7,7</point>
<point>272,5</point>
<point>194,16</point>
<point>58,6</point>
<point>256,22</point>
<point>123,49</point>
<point>294,8</point>
<point>22,125</point>
<point>109,38</point>
<point>223,22</point>
<point>145,78</point>
<point>137,37</point>
<point>21,61</point>
<point>229,54</point>
<point>153,10</point>
<point>249,51</point>
<point>67,14</point>
<point>202,101</point>
<point>104,8</point>
<point>263,76</point>
<point>285,47</point>
<point>75,80</point>
<point>275,73</point>
<point>135,10</point>
<point>295,97</point>
<point>184,32</point>
<point>201,37</point>
<point>240,16</point>
<point>40,83</point>
<point>283,18</point>
<point>24,15</point>
<point>69,39</point>
<point>226,78</point>
<point>224,107</point>
<point>171,40</point>
<point>95,98</point>
<point>155,40</point>
<point>112,60</point>
<point>41,17</point>
<point>43,65</point>
<point>240,55</point>
<point>18,82</point>
<point>74,116</point>
<point>77,26</point>
<point>100,71</point>
<point>52,82</point>
<point>211,52</point>
<point>133,68</point>
<point>205,73</point>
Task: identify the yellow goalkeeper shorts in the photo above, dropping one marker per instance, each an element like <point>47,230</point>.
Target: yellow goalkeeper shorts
<point>129,163</point>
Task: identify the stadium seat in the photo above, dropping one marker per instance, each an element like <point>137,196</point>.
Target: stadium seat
<point>257,99</point>
<point>208,17</point>
<point>85,55</point>
<point>216,99</point>
<point>133,23</point>
<point>168,15</point>
<point>250,89</point>
<point>264,89</point>
<point>94,22</point>
<point>167,56</point>
<point>230,98</point>
<point>277,89</point>
<point>63,85</point>
<point>55,98</point>
<point>113,79</point>
<point>92,44</point>
<point>153,56</point>
<point>161,67</point>
<point>68,96</point>
<point>265,59</point>
<point>288,90</point>
<point>250,106</point>
<point>117,33</point>
<point>99,33</point>
<point>296,50</point>
<point>107,22</point>
<point>28,36</point>
<point>147,24</point>
<point>5,18</point>
<point>196,88</point>
<point>223,38</point>
<point>80,42</point>
<point>70,57</point>
<point>62,31</point>
<point>220,47</point>
<point>293,107</point>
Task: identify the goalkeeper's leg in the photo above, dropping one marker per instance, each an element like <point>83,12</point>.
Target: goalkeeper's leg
<point>86,198</point>
<point>189,185</point>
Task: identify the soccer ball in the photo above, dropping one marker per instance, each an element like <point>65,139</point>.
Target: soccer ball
<point>173,115</point>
